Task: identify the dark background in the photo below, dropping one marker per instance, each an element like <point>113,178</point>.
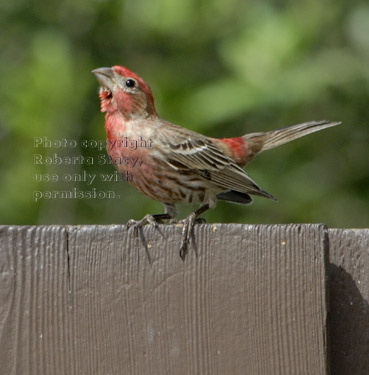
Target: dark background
<point>222,68</point>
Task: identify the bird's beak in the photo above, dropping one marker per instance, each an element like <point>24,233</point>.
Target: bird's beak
<point>105,77</point>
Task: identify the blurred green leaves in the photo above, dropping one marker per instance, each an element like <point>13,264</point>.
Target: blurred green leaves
<point>357,27</point>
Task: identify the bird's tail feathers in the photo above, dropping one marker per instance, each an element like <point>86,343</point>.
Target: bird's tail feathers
<point>275,138</point>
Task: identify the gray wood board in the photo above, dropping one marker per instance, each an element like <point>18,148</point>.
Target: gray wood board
<point>98,300</point>
<point>349,297</point>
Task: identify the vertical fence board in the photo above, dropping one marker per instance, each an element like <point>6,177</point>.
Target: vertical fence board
<point>248,300</point>
<point>33,300</point>
<point>349,297</point>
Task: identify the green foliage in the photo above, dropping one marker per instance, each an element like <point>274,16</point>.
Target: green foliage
<point>223,68</point>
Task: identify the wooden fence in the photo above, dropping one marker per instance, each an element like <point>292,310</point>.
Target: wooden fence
<point>248,299</point>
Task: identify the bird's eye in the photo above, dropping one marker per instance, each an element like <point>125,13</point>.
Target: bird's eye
<point>130,83</point>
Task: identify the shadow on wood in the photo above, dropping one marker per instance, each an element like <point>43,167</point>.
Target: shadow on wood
<point>349,295</point>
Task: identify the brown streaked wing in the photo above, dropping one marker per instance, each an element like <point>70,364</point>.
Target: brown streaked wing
<point>197,153</point>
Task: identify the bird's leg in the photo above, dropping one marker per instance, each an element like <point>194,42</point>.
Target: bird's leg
<point>170,213</point>
<point>188,225</point>
<point>171,210</point>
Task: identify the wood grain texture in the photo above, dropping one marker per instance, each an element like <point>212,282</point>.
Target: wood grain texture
<point>349,297</point>
<point>97,300</point>
<point>34,316</point>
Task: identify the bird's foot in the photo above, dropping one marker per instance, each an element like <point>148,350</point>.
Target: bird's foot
<point>188,225</point>
<point>153,220</point>
<point>187,230</point>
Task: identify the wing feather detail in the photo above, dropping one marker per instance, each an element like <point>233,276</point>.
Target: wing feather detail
<point>202,157</point>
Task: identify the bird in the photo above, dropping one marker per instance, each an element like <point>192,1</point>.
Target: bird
<point>178,165</point>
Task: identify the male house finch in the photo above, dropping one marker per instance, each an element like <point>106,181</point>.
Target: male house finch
<point>180,166</point>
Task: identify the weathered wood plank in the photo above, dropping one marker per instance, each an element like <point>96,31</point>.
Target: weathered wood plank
<point>34,316</point>
<point>349,297</point>
<point>251,300</point>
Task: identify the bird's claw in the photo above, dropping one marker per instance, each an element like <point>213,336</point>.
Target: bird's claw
<point>188,225</point>
<point>146,220</point>
<point>187,230</point>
